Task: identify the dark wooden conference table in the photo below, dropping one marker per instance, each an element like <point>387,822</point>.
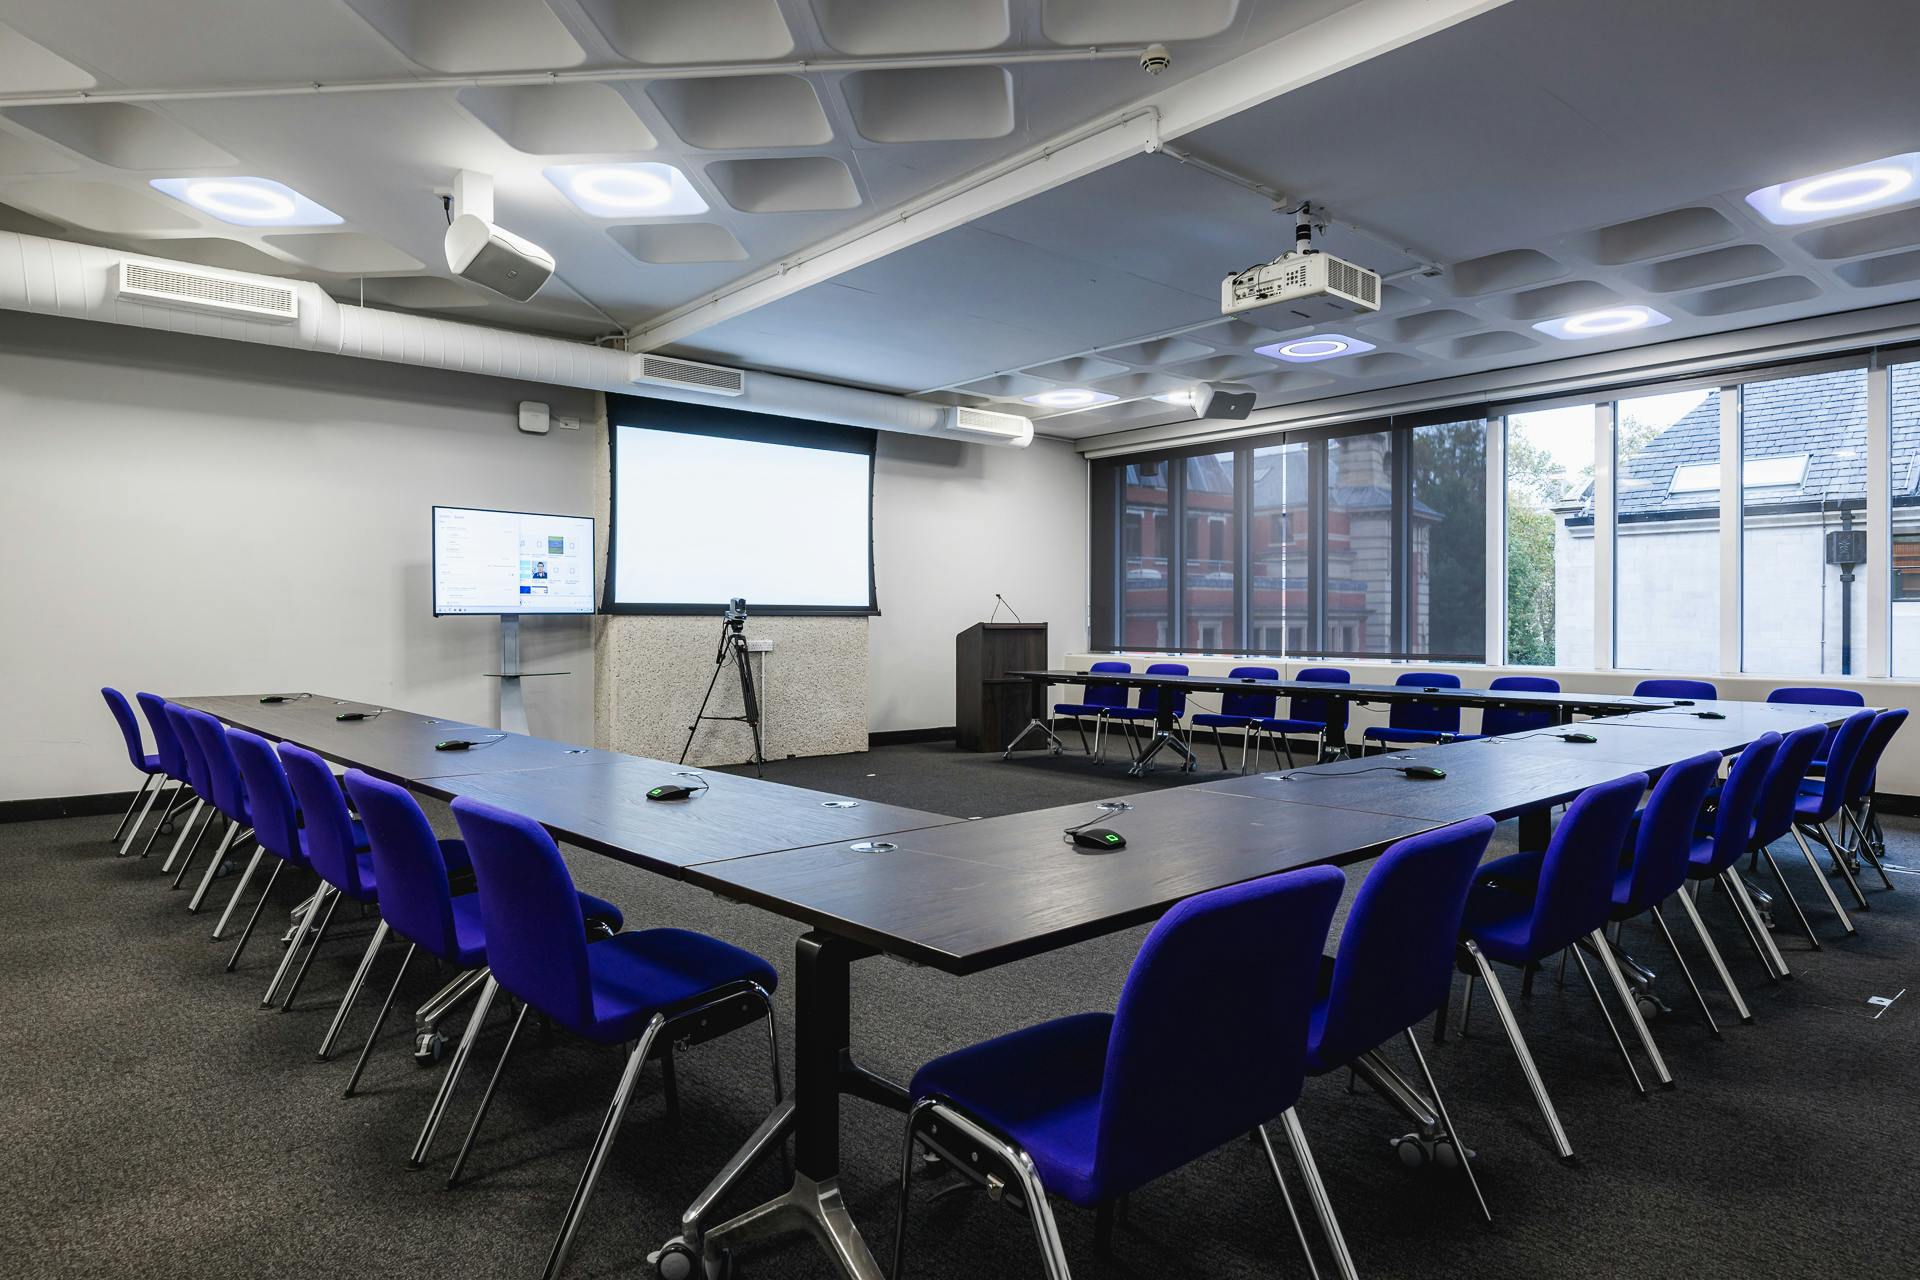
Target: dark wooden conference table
<point>960,895</point>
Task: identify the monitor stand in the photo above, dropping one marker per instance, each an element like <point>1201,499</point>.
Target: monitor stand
<point>513,705</point>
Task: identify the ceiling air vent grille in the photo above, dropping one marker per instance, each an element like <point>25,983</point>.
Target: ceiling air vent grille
<point>218,293</point>
<point>1006,428</point>
<point>690,375</point>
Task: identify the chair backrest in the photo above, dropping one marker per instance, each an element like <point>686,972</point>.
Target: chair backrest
<point>1740,800</point>
<point>1150,697</point>
<point>1433,717</point>
<point>1396,950</point>
<point>129,727</point>
<point>223,774</point>
<point>1331,712</point>
<point>1495,721</point>
<point>1843,749</point>
<point>1249,702</point>
<point>1210,1036</point>
<point>1106,695</point>
<point>1665,843</point>
<point>1575,894</point>
<point>276,815</point>
<point>536,938</point>
<point>183,733</point>
<point>1774,813</point>
<point>1668,688</point>
<point>173,762</point>
<point>1860,778</point>
<point>329,827</point>
<point>415,897</point>
<point>1815,695</point>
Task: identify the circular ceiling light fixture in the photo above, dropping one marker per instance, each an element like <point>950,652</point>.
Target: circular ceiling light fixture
<point>1848,189</point>
<point>1592,324</point>
<point>226,199</point>
<point>622,188</point>
<point>1066,398</point>
<point>1183,396</point>
<point>1314,348</point>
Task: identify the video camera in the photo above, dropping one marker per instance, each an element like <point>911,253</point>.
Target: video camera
<point>736,615</point>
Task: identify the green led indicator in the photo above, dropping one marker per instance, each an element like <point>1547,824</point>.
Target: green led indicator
<point>1111,837</point>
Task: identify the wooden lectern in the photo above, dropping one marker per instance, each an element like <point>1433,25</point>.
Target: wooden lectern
<point>990,707</point>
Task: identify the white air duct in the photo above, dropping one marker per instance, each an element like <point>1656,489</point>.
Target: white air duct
<point>80,282</point>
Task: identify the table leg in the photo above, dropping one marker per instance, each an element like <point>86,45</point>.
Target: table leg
<point>1163,737</point>
<point>824,1070</point>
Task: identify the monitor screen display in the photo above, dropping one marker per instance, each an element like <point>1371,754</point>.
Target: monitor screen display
<point>493,562</point>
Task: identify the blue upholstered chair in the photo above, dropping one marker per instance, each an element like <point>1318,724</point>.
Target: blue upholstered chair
<point>1531,905</point>
<point>637,988</point>
<point>152,772</point>
<point>1147,710</point>
<point>1241,709</point>
<point>1821,799</point>
<point>1660,854</point>
<point>1495,721</point>
<point>1814,695</point>
<point>202,812</point>
<point>1718,847</point>
<point>1857,808</point>
<point>276,828</point>
<point>1312,716</point>
<point>1394,965</point>
<point>1695,690</point>
<point>414,869</point>
<point>173,764</point>
<point>229,796</point>
<point>1095,701</point>
<point>336,848</point>
<point>1774,814</point>
<point>1207,1045</point>
<point>1419,723</point>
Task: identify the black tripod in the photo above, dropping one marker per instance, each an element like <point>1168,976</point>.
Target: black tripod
<point>733,640</point>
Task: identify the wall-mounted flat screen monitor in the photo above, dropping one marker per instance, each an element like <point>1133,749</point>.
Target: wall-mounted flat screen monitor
<point>500,562</point>
<point>712,503</point>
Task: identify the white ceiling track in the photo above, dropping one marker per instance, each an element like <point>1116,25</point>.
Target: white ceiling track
<point>83,282</point>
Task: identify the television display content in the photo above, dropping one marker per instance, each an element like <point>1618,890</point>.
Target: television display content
<point>507,562</point>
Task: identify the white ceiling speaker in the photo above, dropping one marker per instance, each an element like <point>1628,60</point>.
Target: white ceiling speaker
<point>1221,401</point>
<point>688,375</point>
<point>998,428</point>
<point>221,293</point>
<point>491,256</point>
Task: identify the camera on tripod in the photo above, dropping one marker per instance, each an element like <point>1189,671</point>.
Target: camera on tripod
<point>736,615</point>
<point>733,645</point>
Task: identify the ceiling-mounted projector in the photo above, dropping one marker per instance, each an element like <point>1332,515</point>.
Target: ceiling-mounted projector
<point>1300,287</point>
<point>495,258</point>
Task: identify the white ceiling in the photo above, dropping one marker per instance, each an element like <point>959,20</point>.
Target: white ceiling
<point>1551,155</point>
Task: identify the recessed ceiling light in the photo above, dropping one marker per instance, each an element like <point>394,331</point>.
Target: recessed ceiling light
<point>248,202</point>
<point>1069,398</point>
<point>1321,346</point>
<point>1602,323</point>
<point>1840,192</point>
<point>643,190</point>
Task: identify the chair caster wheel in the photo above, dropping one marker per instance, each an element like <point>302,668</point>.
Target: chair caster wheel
<point>1413,1150</point>
<point>1650,1005</point>
<point>675,1261</point>
<point>428,1048</point>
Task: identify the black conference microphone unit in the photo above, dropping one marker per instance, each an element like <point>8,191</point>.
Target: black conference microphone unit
<point>285,697</point>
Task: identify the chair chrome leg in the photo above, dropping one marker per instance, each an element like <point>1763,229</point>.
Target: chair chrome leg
<point>1866,844</point>
<point>175,802</point>
<point>1713,955</point>
<point>1826,885</point>
<point>353,991</point>
<point>914,1115</point>
<point>1679,960</point>
<point>180,840</point>
<point>193,850</point>
<point>1286,1198</point>
<point>313,949</point>
<point>1317,1193</point>
<point>233,900</point>
<point>486,1098</point>
<point>602,1145</point>
<point>373,1034</point>
<point>438,1110</point>
<point>233,961</point>
<point>1466,1007</point>
<point>1498,1000</point>
<point>308,918</point>
<point>1842,862</point>
<point>213,867</point>
<point>1604,951</point>
<point>1786,891</point>
<point>146,784</point>
<point>1446,1122</point>
<point>150,788</point>
<point>1749,913</point>
<point>1219,745</point>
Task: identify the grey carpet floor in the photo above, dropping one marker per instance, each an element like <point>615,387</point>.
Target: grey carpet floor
<point>155,1122</point>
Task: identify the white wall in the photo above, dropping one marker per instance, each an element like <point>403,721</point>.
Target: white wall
<point>190,516</point>
<point>953,524</point>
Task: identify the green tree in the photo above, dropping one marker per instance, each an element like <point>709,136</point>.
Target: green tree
<point>1450,479</point>
<point>1534,483</point>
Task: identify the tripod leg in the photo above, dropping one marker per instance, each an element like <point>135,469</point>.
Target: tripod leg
<point>718,666</point>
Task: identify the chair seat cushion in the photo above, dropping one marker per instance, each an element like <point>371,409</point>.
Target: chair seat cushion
<point>1222,720</point>
<point>1039,1088</point>
<point>150,764</point>
<point>470,933</point>
<point>1283,725</point>
<point>1133,713</point>
<point>1499,915</point>
<point>636,975</point>
<point>1079,709</point>
<point>1700,860</point>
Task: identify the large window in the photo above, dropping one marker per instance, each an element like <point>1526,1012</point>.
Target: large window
<point>1145,539</point>
<point>1666,572</point>
<point>1359,545</point>
<point>1280,522</point>
<point>1447,565</point>
<point>1210,585</point>
<point>1803,466</point>
<point>1903,568</point>
<point>1549,459</point>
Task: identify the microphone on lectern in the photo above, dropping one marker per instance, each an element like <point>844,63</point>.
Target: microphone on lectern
<point>1002,601</point>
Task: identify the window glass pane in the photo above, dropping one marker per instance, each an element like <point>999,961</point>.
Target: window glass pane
<point>1211,613</point>
<point>1666,569</point>
<point>1280,526</point>
<point>1449,552</point>
<point>1549,462</point>
<point>1145,537</point>
<point>1359,550</point>
<point>1803,455</point>
<point>1903,651</point>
